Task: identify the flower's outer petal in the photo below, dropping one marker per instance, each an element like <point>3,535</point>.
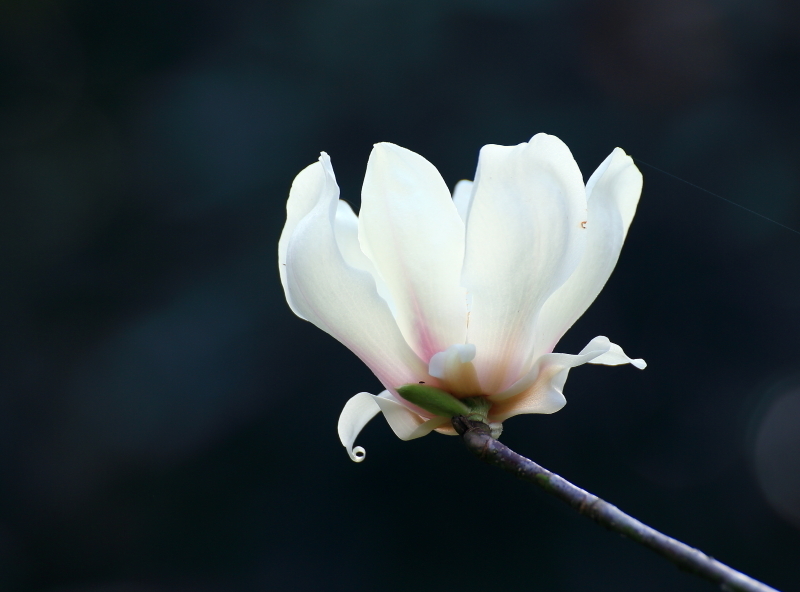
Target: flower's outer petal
<point>455,369</point>
<point>524,239</point>
<point>406,424</point>
<point>356,414</point>
<point>338,298</point>
<point>306,190</point>
<point>361,408</point>
<point>540,390</point>
<point>595,348</point>
<point>612,195</point>
<point>462,198</point>
<point>615,357</point>
<point>346,230</point>
<point>410,229</point>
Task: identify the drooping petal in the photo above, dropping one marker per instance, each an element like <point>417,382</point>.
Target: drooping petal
<point>356,414</point>
<point>616,357</point>
<point>406,424</point>
<point>541,390</point>
<point>462,198</point>
<point>524,239</point>
<point>361,408</point>
<point>338,298</point>
<point>595,348</point>
<point>455,369</point>
<point>410,229</point>
<point>612,195</point>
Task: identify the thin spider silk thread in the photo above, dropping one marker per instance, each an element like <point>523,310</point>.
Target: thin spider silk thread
<point>725,199</point>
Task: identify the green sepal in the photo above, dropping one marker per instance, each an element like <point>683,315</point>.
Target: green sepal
<point>433,400</point>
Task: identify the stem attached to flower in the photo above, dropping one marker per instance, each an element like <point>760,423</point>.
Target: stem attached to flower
<point>478,439</point>
<point>478,408</point>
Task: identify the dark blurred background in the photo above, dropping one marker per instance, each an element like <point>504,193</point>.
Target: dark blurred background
<point>168,425</point>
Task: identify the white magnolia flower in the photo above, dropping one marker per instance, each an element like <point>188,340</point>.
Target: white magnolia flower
<point>469,293</point>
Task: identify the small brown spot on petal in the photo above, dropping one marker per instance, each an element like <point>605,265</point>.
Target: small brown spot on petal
<point>583,224</point>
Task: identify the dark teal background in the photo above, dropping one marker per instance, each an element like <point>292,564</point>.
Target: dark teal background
<point>168,425</point>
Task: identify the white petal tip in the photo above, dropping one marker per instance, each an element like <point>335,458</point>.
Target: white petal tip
<point>357,454</point>
<point>355,415</point>
<point>614,356</point>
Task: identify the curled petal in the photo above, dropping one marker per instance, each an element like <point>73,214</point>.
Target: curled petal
<point>356,414</point>
<point>323,288</point>
<point>615,357</point>
<point>524,239</point>
<point>595,348</point>
<point>540,391</point>
<point>361,408</point>
<point>410,229</point>
<point>612,195</point>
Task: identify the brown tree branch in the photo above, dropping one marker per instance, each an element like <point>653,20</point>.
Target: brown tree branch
<point>477,437</point>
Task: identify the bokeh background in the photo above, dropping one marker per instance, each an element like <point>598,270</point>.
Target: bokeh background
<point>167,424</point>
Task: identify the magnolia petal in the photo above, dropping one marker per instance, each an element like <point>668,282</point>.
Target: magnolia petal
<point>346,231</point>
<point>410,229</point>
<point>406,424</point>
<point>356,414</point>
<point>306,190</point>
<point>460,353</point>
<point>455,369</point>
<point>542,387</point>
<point>524,239</point>
<point>615,357</point>
<point>339,298</point>
<point>462,198</point>
<point>544,396</point>
<point>612,195</point>
<point>595,348</point>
